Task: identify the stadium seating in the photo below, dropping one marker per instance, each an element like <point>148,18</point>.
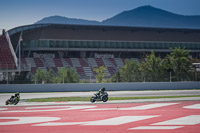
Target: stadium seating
<point>92,63</point>
<point>80,71</point>
<point>83,66</point>
<point>7,60</point>
<point>88,71</point>
<point>112,60</point>
<point>65,63</point>
<point>31,62</point>
<point>38,62</point>
<point>75,62</point>
<point>99,62</point>
<point>108,63</point>
<point>49,62</point>
<point>23,61</point>
<point>119,62</point>
<point>69,62</point>
<point>111,70</point>
<point>58,62</point>
<point>83,62</point>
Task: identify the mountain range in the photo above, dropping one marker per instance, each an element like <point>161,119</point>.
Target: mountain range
<point>144,16</point>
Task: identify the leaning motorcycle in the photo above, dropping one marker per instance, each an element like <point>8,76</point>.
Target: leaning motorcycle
<point>103,97</point>
<point>13,100</point>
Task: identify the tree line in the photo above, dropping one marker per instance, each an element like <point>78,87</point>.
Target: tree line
<point>176,66</point>
<point>64,75</point>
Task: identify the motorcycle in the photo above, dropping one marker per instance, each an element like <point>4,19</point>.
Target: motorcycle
<point>13,100</point>
<point>103,97</point>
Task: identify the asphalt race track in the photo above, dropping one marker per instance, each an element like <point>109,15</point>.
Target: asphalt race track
<point>154,117</point>
<point>5,96</point>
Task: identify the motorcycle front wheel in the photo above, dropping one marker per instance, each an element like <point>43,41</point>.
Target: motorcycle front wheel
<point>16,102</point>
<point>7,102</point>
<point>104,98</point>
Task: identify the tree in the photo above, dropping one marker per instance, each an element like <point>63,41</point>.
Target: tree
<point>178,62</point>
<point>71,76</point>
<point>66,75</point>
<point>116,77</point>
<point>100,74</point>
<point>152,67</point>
<point>130,72</point>
<point>60,76</point>
<point>44,76</point>
<point>49,76</point>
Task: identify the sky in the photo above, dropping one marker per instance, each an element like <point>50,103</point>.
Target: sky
<point>14,13</point>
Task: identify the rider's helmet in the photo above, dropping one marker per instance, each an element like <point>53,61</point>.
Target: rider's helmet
<point>17,94</point>
<point>103,89</point>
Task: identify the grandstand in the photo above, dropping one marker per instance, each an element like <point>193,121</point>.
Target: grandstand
<point>82,47</point>
<point>8,59</point>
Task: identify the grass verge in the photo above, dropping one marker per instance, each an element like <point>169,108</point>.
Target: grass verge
<point>65,99</point>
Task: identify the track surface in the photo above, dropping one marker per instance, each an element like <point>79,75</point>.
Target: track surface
<point>157,117</point>
<point>5,96</point>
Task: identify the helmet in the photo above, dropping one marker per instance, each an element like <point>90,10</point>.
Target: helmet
<point>103,89</point>
<point>17,94</point>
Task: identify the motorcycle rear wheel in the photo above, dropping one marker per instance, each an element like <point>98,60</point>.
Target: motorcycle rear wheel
<point>92,100</point>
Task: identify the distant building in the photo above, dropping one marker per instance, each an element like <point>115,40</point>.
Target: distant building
<point>85,47</point>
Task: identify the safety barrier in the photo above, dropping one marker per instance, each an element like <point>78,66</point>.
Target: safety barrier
<point>78,87</point>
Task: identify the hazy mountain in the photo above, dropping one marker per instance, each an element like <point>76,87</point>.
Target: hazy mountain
<point>65,20</point>
<point>148,16</point>
<point>145,16</point>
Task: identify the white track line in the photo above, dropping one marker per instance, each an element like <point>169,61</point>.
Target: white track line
<point>49,108</point>
<point>194,106</point>
<point>26,120</point>
<point>3,108</point>
<point>142,107</point>
<point>155,128</point>
<point>111,121</point>
<point>187,120</point>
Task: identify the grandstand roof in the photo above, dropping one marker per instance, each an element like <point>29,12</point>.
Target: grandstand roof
<point>107,33</point>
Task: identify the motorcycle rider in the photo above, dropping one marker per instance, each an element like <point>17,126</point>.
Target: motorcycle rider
<point>17,95</point>
<point>13,98</point>
<point>100,92</point>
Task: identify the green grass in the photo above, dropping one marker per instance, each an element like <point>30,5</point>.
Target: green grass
<point>58,99</point>
<point>65,99</point>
